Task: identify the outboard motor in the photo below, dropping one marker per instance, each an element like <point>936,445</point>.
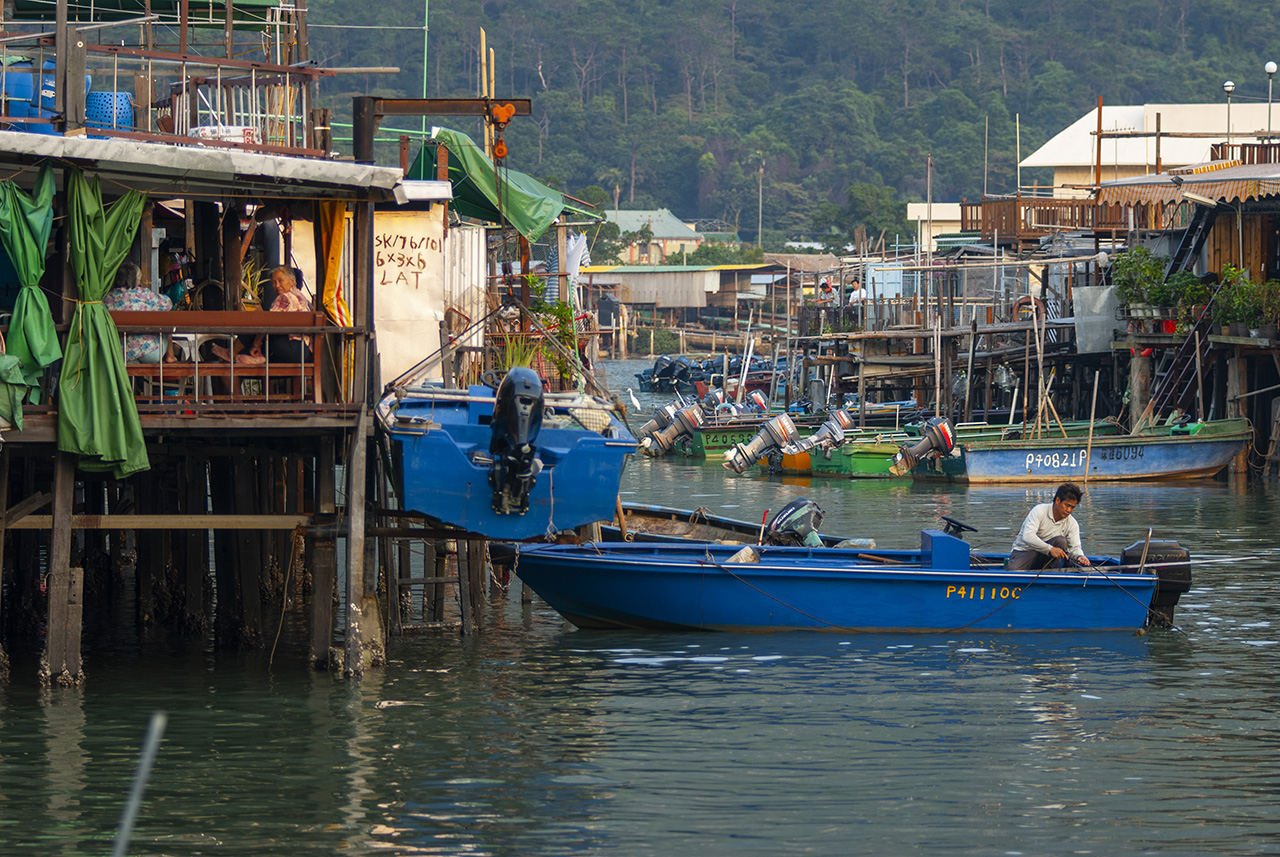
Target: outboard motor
<point>685,421</point>
<point>796,524</point>
<point>774,434</point>
<point>757,401</point>
<point>662,417</point>
<point>713,400</point>
<point>517,419</point>
<point>829,436</point>
<point>939,439</point>
<point>1171,563</point>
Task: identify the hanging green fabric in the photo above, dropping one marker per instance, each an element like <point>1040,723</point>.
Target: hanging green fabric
<point>26,219</point>
<point>13,390</point>
<point>97,416</point>
<point>482,192</point>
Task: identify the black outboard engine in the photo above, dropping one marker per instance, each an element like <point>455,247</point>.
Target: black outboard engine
<point>796,524</point>
<point>517,419</point>
<point>662,417</point>
<point>939,439</point>
<point>685,421</point>
<point>829,436</point>
<point>1171,563</point>
<point>774,434</point>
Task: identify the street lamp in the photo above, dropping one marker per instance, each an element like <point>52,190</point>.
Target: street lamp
<point>1270,69</point>
<point>1229,87</point>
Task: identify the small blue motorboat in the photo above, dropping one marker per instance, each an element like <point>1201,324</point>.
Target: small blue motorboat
<point>942,587</point>
<point>508,464</point>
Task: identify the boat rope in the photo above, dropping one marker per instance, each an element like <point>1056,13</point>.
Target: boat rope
<point>551,499</point>
<point>297,547</point>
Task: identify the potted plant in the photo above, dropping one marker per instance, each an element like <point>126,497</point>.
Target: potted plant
<point>1237,305</point>
<point>1269,304</point>
<point>1192,294</point>
<point>1136,273</point>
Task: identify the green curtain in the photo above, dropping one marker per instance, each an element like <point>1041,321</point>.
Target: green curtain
<point>97,416</point>
<point>26,219</point>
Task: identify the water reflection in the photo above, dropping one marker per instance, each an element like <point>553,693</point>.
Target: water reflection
<point>535,739</point>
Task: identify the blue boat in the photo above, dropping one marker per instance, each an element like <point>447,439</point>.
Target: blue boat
<point>1189,451</point>
<point>512,464</point>
<point>943,587</point>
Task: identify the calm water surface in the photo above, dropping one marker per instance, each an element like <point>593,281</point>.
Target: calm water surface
<point>536,739</point>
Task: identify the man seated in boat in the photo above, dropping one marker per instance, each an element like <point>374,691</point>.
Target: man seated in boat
<point>1050,535</point>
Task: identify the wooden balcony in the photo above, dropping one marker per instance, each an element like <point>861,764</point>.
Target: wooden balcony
<point>1023,221</point>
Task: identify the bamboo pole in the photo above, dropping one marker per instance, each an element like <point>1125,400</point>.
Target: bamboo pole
<point>622,519</point>
<point>1199,381</point>
<point>1093,409</point>
<point>937,366</point>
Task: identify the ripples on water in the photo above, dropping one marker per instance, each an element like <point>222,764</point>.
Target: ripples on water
<point>535,739</point>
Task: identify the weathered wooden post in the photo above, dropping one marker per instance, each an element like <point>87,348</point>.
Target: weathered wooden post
<point>4,511</point>
<point>324,560</point>
<point>1237,386</point>
<point>60,663</point>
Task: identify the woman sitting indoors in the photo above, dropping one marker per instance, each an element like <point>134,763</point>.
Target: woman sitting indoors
<point>281,347</point>
<point>127,294</point>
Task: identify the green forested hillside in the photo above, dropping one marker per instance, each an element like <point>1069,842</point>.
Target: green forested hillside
<point>676,102</point>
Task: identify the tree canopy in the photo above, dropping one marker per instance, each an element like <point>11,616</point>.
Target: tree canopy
<point>679,103</point>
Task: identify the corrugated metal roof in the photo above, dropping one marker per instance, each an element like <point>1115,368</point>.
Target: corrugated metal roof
<point>1237,182</point>
<point>661,222</point>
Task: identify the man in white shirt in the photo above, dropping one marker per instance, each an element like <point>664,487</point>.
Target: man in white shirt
<point>1049,535</point>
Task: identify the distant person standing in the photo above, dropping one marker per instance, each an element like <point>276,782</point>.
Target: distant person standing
<point>826,295</point>
<point>857,294</point>
<point>857,299</point>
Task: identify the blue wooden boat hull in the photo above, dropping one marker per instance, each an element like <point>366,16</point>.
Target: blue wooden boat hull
<point>432,449</point>
<point>677,587</point>
<point>1113,458</point>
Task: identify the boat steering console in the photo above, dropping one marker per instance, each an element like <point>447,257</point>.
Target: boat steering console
<point>955,528</point>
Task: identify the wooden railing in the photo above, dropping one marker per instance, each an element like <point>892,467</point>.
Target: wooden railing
<point>1024,219</point>
<point>197,381</point>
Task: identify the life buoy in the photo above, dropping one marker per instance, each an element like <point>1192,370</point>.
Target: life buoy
<point>1027,300</point>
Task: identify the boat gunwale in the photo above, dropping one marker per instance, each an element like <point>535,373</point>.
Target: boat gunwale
<point>651,557</point>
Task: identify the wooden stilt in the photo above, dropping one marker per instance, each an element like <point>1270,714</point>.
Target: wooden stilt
<point>60,664</point>
<point>248,556</point>
<point>324,563</point>
<point>149,555</point>
<point>195,549</point>
<point>4,510</point>
<point>437,551</point>
<point>466,604</point>
<point>478,566</point>
<point>402,603</point>
<point>222,497</point>
<point>358,623</point>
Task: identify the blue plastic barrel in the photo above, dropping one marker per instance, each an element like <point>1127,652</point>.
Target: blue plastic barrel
<point>108,110</point>
<point>36,95</point>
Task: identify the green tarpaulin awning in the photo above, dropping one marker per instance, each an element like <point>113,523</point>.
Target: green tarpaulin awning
<point>526,203</point>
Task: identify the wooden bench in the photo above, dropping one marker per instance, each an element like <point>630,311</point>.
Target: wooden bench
<point>207,325</point>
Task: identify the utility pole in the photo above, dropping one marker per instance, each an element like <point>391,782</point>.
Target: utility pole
<point>760,202</point>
